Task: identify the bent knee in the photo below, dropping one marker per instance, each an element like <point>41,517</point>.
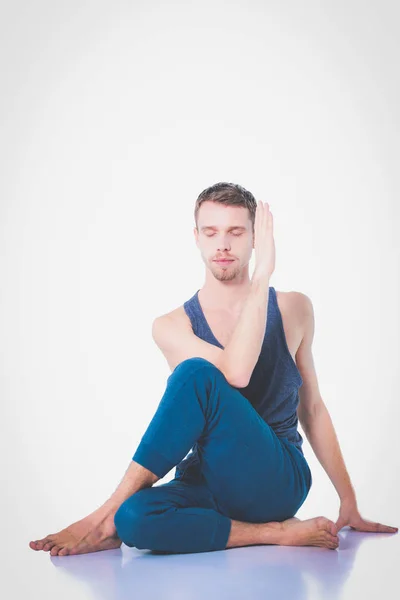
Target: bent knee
<point>193,361</point>
<point>195,364</point>
<point>131,519</point>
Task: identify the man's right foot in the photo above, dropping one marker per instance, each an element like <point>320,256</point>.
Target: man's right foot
<point>95,532</point>
<point>319,531</point>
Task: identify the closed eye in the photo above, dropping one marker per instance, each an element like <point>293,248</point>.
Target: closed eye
<point>211,234</point>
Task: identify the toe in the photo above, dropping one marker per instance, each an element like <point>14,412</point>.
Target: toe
<point>54,551</point>
<point>49,545</point>
<point>323,523</point>
<point>335,541</point>
<point>332,547</point>
<point>42,542</point>
<point>330,526</point>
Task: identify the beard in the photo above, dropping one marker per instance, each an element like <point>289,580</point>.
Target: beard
<point>225,273</point>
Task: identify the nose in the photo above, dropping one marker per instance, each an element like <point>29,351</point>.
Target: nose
<point>223,244</point>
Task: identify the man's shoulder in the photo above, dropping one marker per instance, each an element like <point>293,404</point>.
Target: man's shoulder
<point>295,300</point>
<point>176,315</point>
<point>302,302</point>
<point>296,307</point>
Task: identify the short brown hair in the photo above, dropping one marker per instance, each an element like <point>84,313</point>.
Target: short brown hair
<point>228,193</point>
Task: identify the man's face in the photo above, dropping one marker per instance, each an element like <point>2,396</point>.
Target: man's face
<point>224,232</point>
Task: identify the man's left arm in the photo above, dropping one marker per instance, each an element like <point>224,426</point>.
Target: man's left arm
<point>318,428</point>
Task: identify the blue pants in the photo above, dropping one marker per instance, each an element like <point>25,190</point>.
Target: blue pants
<point>246,472</point>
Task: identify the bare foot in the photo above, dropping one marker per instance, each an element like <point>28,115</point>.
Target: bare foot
<point>91,534</point>
<point>319,531</point>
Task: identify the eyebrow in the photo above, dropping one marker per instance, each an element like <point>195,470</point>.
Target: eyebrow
<point>229,228</point>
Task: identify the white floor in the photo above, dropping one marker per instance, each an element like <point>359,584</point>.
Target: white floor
<point>365,565</point>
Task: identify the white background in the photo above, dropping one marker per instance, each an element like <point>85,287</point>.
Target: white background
<point>114,117</point>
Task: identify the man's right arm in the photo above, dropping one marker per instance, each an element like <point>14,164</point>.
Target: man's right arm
<point>244,347</point>
<point>242,351</point>
<point>237,360</point>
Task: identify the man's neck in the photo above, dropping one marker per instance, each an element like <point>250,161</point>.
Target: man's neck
<point>224,295</point>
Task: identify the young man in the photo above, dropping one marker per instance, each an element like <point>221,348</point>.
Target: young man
<point>242,375</point>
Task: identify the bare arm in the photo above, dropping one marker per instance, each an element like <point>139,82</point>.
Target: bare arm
<point>313,414</point>
<point>318,427</point>
<point>243,349</point>
<point>322,437</point>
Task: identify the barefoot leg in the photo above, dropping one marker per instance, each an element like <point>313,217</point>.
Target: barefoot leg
<point>319,531</point>
<point>97,531</point>
<point>292,532</point>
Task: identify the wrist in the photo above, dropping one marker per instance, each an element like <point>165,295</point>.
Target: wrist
<point>348,498</point>
<point>260,278</point>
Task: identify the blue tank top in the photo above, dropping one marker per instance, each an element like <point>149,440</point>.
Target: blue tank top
<point>273,389</point>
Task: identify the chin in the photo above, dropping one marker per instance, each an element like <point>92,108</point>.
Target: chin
<point>224,275</point>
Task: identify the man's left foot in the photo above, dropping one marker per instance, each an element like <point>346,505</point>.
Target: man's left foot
<point>91,534</point>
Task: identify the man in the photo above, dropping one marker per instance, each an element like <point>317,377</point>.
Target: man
<point>242,375</point>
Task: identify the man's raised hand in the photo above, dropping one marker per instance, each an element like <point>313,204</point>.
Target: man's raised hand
<point>264,245</point>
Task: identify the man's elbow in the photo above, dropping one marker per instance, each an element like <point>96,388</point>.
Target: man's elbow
<point>239,381</point>
<point>307,417</point>
<point>233,375</point>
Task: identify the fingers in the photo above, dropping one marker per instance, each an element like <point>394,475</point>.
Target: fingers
<point>266,215</point>
<point>371,526</point>
<point>385,528</point>
<point>259,214</point>
<point>264,219</point>
<point>263,206</point>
